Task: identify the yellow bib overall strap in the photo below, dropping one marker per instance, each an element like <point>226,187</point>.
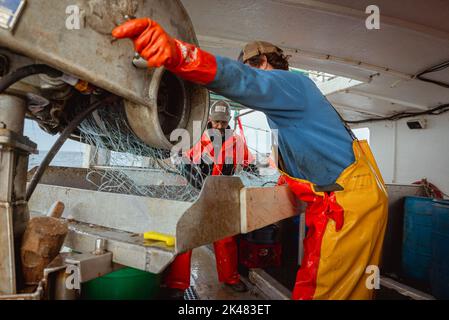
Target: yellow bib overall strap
<point>346,231</point>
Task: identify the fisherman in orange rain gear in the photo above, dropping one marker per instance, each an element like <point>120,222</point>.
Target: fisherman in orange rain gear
<point>319,158</point>
<point>220,152</point>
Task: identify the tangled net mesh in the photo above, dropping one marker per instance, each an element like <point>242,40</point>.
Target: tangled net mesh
<point>134,168</point>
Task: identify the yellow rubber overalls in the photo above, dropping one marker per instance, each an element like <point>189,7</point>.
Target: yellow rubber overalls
<point>345,231</point>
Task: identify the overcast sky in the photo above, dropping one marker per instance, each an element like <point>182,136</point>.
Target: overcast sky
<point>45,141</point>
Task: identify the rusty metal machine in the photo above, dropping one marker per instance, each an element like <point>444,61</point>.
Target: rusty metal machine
<point>91,66</point>
<point>153,102</point>
<point>58,62</point>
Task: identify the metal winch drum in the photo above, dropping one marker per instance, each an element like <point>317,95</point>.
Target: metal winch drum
<point>75,38</point>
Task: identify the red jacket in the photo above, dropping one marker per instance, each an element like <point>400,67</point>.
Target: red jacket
<point>233,151</point>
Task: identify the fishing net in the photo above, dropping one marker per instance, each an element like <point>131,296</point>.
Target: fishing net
<point>132,167</point>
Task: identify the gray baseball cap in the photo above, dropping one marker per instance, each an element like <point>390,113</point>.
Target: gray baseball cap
<point>220,111</point>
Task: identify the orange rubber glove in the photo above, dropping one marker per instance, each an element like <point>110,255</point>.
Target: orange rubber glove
<point>159,49</point>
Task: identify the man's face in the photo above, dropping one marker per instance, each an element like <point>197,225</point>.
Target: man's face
<point>220,125</point>
<point>265,65</point>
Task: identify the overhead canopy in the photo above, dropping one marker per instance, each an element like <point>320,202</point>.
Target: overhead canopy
<point>331,36</point>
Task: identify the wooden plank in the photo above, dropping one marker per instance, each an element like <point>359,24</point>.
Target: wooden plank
<point>261,207</point>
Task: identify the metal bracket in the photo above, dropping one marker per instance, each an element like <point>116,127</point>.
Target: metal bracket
<point>13,140</point>
<point>404,289</point>
<point>41,291</point>
<point>92,266</point>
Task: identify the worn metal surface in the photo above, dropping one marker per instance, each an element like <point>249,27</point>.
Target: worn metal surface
<point>118,211</point>
<point>214,216</point>
<point>154,105</point>
<point>11,139</point>
<point>77,177</point>
<point>65,177</point>
<point>268,285</point>
<point>54,280</point>
<point>185,104</point>
<point>90,52</point>
<point>38,294</point>
<point>59,287</point>
<point>177,111</point>
<point>121,220</point>
<point>91,266</point>
<point>45,288</point>
<point>128,249</point>
<point>404,289</point>
<point>14,215</point>
<point>7,256</point>
<point>13,111</point>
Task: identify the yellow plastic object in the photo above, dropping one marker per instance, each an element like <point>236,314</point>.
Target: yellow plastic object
<point>169,240</point>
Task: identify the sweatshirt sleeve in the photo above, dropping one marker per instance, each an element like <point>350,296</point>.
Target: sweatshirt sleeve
<point>274,91</point>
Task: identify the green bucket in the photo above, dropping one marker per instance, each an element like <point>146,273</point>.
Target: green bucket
<point>124,284</point>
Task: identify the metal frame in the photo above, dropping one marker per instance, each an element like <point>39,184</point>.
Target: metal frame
<point>126,248</point>
<point>14,151</point>
<point>268,285</point>
<point>404,289</point>
<point>53,285</point>
<point>121,219</point>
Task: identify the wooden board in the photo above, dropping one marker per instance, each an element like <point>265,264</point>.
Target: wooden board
<point>261,207</point>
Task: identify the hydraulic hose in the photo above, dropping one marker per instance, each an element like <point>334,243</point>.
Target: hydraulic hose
<point>24,72</point>
<point>65,134</point>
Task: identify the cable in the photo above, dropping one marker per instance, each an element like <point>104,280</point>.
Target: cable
<point>65,134</point>
<point>435,111</point>
<point>436,68</point>
<point>25,72</point>
<point>268,182</point>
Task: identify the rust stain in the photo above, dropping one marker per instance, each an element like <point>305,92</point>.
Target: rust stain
<point>105,15</point>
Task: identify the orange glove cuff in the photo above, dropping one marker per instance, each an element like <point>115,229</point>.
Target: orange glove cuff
<point>160,49</point>
<point>195,64</point>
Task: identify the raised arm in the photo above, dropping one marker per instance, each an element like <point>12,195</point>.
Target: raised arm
<point>261,90</point>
